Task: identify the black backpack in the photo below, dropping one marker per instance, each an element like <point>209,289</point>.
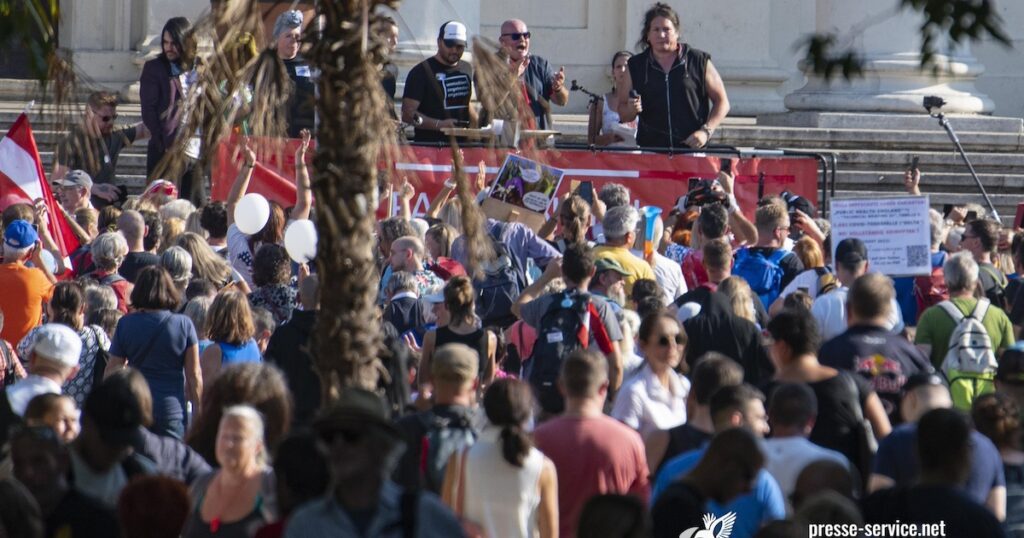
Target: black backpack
<point>557,337</point>
<point>504,279</point>
<point>442,437</point>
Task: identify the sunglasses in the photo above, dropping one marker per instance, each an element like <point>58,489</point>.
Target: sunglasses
<point>516,36</point>
<point>451,43</point>
<point>664,340</point>
<point>107,119</point>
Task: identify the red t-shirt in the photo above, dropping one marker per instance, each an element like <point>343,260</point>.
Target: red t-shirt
<point>693,269</point>
<point>592,455</point>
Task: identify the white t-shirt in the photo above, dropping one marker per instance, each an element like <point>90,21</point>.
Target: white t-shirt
<point>807,280</point>
<point>669,275</point>
<point>239,254</point>
<point>829,311</point>
<point>786,457</point>
<point>644,405</point>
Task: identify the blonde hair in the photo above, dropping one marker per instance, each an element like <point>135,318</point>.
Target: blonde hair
<point>740,296</point>
<point>206,264</point>
<point>173,227</point>
<point>809,252</point>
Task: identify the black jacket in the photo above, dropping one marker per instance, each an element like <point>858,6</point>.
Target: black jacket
<point>717,328</point>
<point>289,350</point>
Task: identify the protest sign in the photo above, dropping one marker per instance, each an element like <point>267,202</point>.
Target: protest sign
<point>522,191</point>
<point>895,229</point>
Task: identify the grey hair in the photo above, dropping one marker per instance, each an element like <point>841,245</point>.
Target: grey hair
<point>178,263</point>
<point>614,195</point>
<point>960,272</point>
<point>252,417</point>
<point>179,208</point>
<point>263,320</point>
<point>99,297</point>
<point>937,227</point>
<point>420,226</point>
<point>401,281</point>
<point>109,250</point>
<point>196,310</point>
<point>619,221</point>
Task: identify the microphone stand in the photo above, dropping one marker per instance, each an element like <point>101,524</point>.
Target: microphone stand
<point>593,96</point>
<point>956,141</point>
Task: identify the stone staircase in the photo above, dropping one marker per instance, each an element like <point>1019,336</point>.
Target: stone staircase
<point>872,150</point>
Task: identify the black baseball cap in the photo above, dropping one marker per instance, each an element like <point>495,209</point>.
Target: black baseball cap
<point>851,251</point>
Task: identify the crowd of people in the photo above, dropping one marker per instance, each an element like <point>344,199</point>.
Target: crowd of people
<point>743,375</point>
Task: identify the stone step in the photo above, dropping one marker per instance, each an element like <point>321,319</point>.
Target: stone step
<point>837,139</point>
<point>930,161</point>
<point>952,181</point>
<point>888,122</point>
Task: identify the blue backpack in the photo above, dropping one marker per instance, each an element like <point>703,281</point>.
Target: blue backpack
<point>763,274</point>
<point>502,282</point>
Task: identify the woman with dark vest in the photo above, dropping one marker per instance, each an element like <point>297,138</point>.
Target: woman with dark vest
<point>680,98</point>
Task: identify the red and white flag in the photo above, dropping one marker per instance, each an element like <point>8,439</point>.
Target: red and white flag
<point>22,180</point>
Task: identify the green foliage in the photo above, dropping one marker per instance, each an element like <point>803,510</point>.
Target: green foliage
<point>31,25</point>
<point>959,20</point>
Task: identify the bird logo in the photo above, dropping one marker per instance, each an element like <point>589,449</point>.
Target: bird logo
<point>720,527</point>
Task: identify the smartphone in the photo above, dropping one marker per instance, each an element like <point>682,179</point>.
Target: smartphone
<point>971,215</point>
<point>693,183</point>
<point>726,165</point>
<point>914,162</point>
<point>586,191</point>
<point>946,210</point>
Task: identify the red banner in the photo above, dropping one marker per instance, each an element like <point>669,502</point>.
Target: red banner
<point>653,178</point>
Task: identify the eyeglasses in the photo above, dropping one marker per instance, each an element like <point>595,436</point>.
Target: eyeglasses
<point>451,43</point>
<point>107,119</point>
<point>664,340</point>
<point>516,36</point>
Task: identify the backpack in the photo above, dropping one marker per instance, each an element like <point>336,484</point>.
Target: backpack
<point>930,290</point>
<point>442,437</point>
<point>826,281</point>
<point>970,364</point>
<point>557,337</point>
<point>763,274</point>
<point>997,294</point>
<point>504,279</point>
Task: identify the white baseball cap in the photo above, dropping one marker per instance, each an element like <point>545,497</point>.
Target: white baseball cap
<point>455,31</point>
<point>58,343</point>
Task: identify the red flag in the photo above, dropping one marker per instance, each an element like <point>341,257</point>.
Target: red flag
<point>22,180</point>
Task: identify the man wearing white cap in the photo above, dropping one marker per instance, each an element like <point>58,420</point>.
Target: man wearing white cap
<point>52,361</point>
<point>439,89</point>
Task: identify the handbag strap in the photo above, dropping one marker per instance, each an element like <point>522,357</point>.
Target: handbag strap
<point>460,492</point>
<point>152,342</point>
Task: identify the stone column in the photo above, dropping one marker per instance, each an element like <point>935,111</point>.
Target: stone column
<point>893,80</point>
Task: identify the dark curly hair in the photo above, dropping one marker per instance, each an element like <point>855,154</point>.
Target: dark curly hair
<point>271,265</point>
<point>214,219</point>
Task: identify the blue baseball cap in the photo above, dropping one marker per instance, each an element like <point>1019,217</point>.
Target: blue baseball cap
<point>20,234</point>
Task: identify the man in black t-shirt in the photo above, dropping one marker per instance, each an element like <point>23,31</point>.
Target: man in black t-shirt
<point>439,89</point>
<point>95,145</point>
<point>869,348</point>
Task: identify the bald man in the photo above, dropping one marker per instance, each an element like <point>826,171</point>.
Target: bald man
<point>543,84</point>
<point>132,226</point>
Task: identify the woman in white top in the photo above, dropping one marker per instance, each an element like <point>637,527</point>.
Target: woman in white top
<point>609,129</point>
<point>502,483</point>
<point>655,398</point>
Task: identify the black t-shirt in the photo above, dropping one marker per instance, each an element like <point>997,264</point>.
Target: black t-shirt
<point>79,515</point>
<point>135,262</point>
<point>679,507</point>
<point>444,92</point>
<point>683,438</point>
<point>717,328</point>
<point>886,360</point>
<point>790,264</point>
<point>302,103</point>
<point>97,156</point>
<point>389,80</point>
<point>932,504</point>
<point>837,426</point>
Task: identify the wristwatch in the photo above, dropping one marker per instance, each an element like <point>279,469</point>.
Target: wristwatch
<point>707,130</point>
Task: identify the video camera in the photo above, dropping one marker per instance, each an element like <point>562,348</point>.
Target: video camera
<point>702,192</point>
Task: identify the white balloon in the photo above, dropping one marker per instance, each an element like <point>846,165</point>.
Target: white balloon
<point>252,213</point>
<point>300,241</point>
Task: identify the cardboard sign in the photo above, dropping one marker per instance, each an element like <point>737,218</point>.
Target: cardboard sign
<point>895,229</point>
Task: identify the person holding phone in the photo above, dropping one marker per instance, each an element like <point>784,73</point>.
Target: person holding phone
<point>25,288</point>
<point>672,87</point>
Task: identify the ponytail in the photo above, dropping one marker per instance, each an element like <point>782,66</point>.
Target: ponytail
<point>515,444</point>
<point>509,403</point>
